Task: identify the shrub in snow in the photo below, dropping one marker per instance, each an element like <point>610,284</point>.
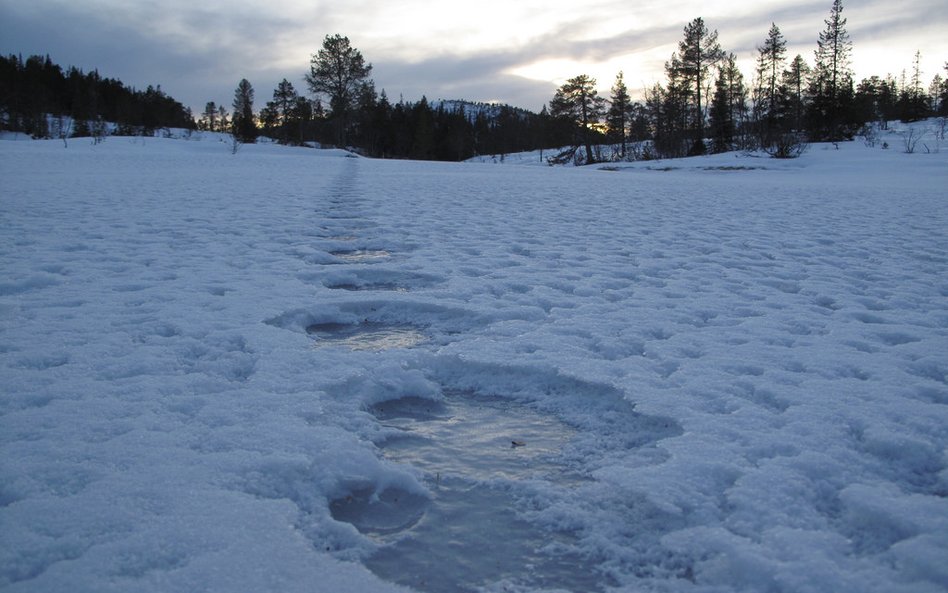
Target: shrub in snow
<point>870,134</point>
<point>788,145</point>
<point>910,138</point>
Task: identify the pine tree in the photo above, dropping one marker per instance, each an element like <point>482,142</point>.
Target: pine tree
<point>697,53</point>
<point>222,121</point>
<point>338,71</point>
<point>767,90</point>
<point>721,123</point>
<point>269,119</point>
<point>577,101</point>
<point>831,90</point>
<point>209,117</point>
<point>943,95</point>
<point>914,103</point>
<point>284,101</point>
<point>794,80</point>
<point>619,116</point>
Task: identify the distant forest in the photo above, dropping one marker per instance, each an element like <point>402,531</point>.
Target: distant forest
<point>35,93</point>
<point>705,105</point>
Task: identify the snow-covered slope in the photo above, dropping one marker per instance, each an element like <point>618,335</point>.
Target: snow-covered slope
<point>269,371</point>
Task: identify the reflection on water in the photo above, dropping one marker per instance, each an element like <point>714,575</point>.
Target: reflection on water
<point>361,255</point>
<point>366,336</point>
<point>473,437</point>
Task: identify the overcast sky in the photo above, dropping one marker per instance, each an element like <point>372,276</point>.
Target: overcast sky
<point>513,51</point>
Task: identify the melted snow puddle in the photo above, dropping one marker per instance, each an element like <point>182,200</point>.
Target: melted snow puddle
<point>471,449</point>
<point>368,335</point>
<point>361,255</point>
<point>367,286</point>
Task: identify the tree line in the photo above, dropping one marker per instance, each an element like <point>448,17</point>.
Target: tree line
<point>36,94</point>
<point>359,117</point>
<point>704,105</point>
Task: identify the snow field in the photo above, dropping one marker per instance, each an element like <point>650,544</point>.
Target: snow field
<point>750,365</point>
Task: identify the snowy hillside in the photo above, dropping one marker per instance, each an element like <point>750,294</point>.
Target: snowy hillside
<point>286,370</point>
<point>474,108</point>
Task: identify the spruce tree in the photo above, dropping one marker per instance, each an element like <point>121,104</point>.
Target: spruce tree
<point>867,103</point>
<point>728,106</point>
<point>244,127</point>
<point>302,116</point>
<point>667,109</point>
<point>767,90</point>
<point>888,100</point>
<point>934,94</point>
<point>423,139</point>
<point>938,91</point>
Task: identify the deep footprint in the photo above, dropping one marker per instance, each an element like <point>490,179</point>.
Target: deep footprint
<point>473,449</point>
<point>471,537</point>
<point>474,436</point>
<point>390,511</point>
<point>374,279</point>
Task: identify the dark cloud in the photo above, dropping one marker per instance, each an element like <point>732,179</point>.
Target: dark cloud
<point>202,58</point>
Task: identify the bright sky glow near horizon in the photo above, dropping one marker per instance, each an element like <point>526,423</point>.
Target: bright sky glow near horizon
<point>512,52</point>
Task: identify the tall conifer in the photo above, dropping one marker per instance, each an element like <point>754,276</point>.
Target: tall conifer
<point>697,53</point>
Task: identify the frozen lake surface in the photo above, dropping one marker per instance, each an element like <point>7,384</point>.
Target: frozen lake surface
<point>285,370</point>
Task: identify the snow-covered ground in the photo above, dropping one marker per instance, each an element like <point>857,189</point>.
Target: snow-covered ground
<point>286,370</point>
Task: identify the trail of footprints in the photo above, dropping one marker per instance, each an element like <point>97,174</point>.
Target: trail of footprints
<point>358,326</point>
<point>478,452</point>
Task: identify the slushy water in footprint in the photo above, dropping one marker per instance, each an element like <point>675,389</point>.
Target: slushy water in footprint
<point>367,335</point>
<point>361,255</point>
<point>473,450</point>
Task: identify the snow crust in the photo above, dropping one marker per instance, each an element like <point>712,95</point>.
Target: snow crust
<point>752,354</point>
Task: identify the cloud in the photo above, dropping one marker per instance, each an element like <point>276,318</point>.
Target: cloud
<point>198,51</point>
